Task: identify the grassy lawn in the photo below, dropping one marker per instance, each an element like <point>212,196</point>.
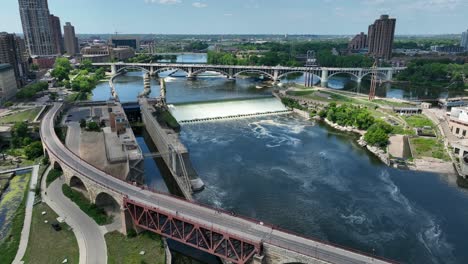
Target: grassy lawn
<point>123,250</point>
<point>391,103</point>
<point>28,115</point>
<point>429,147</point>
<point>9,245</point>
<point>96,213</point>
<point>402,131</point>
<point>300,93</point>
<point>418,121</point>
<point>47,245</point>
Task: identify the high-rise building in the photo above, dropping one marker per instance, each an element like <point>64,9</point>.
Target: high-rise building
<point>57,33</point>
<point>8,86</point>
<point>126,41</point>
<point>35,18</point>
<point>464,40</point>
<point>70,39</point>
<point>12,51</point>
<point>380,37</point>
<point>358,42</point>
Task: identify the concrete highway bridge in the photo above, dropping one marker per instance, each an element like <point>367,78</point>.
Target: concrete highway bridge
<point>275,73</point>
<point>232,238</point>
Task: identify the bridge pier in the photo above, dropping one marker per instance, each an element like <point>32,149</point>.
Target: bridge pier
<point>324,78</point>
<point>231,78</point>
<point>389,75</point>
<point>258,259</point>
<point>113,69</point>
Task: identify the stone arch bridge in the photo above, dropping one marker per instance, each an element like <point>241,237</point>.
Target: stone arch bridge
<point>275,73</point>
<point>232,238</point>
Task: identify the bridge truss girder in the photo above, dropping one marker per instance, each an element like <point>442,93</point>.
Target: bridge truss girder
<point>216,242</point>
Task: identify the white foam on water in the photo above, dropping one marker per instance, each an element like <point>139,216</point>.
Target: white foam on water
<point>433,240</point>
<point>186,112</point>
<point>394,191</point>
<point>261,131</point>
<point>355,219</point>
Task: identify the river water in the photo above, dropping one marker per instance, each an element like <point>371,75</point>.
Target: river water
<point>313,180</point>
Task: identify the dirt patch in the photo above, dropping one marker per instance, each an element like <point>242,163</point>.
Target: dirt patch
<point>93,150</point>
<point>433,165</point>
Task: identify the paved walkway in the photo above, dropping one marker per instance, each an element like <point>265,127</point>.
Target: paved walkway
<point>28,217</point>
<point>91,242</point>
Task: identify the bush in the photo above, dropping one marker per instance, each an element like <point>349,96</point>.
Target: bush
<point>349,115</point>
<point>33,150</point>
<point>377,134</point>
<point>31,90</point>
<point>93,126</point>
<point>98,214</point>
<point>291,103</point>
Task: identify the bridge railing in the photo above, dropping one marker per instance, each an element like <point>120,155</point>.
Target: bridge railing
<point>219,210</point>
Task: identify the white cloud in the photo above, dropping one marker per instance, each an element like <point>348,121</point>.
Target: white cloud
<point>228,14</point>
<point>163,2</point>
<point>199,5</point>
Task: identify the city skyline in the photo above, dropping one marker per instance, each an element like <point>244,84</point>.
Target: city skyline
<point>321,17</point>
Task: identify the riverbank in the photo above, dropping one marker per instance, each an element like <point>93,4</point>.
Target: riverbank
<point>378,152</point>
<point>424,164</point>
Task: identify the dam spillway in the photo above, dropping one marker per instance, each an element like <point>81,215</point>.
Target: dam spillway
<point>226,109</point>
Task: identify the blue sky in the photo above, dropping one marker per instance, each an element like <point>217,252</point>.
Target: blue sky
<point>248,16</point>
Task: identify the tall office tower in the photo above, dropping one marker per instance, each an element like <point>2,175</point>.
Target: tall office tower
<point>36,27</point>
<point>380,37</point>
<point>358,42</point>
<point>464,40</point>
<point>71,42</point>
<point>57,33</point>
<point>12,52</point>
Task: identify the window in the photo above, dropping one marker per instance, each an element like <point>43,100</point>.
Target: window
<point>464,133</point>
<point>457,131</point>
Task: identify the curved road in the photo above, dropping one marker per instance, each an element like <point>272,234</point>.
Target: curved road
<point>91,242</point>
<point>237,226</point>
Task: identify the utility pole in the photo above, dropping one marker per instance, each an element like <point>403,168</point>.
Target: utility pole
<point>373,81</point>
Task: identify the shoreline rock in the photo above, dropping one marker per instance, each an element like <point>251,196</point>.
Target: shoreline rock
<point>379,153</point>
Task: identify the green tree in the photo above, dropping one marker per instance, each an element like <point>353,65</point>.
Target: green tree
<point>93,126</point>
<point>33,150</point>
<point>86,64</point>
<point>53,96</point>
<point>60,73</point>
<point>82,123</point>
<point>377,134</point>
<point>63,63</point>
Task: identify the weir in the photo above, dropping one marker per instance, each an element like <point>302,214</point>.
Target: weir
<point>226,109</point>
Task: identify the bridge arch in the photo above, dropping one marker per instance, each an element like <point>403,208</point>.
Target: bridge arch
<point>77,183</point>
<point>349,73</point>
<point>132,67</point>
<point>303,72</point>
<point>254,71</point>
<point>195,73</point>
<point>107,202</point>
<point>168,69</point>
<point>56,165</point>
<point>379,73</point>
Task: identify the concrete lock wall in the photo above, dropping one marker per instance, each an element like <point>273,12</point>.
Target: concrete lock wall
<point>276,255</point>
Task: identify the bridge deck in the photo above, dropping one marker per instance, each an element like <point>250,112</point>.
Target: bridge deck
<point>239,227</point>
